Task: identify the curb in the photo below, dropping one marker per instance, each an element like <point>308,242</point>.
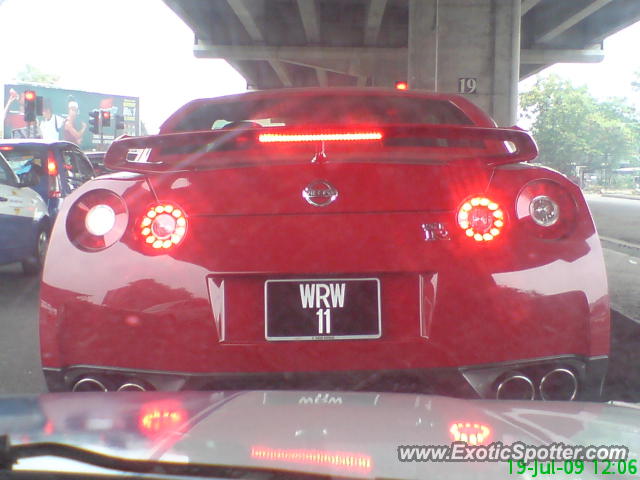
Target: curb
<point>620,195</point>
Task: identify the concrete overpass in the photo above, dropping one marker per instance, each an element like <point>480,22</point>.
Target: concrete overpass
<point>480,48</point>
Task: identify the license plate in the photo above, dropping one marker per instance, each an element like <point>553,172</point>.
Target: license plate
<point>322,309</point>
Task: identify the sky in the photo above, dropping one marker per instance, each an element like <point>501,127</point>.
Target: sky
<point>612,76</point>
<point>142,48</point>
<point>133,47</point>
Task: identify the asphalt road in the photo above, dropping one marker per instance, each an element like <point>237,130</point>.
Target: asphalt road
<point>618,223</point>
<point>19,346</point>
<point>617,220</point>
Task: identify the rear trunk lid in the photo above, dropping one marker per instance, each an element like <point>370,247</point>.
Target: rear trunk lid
<point>321,189</point>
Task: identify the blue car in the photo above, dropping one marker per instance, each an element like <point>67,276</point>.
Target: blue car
<point>55,169</point>
<point>25,222</point>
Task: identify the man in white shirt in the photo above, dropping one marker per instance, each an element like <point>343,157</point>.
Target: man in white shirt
<point>50,125</point>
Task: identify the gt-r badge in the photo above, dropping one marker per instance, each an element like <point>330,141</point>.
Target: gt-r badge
<point>435,231</point>
<point>320,193</point>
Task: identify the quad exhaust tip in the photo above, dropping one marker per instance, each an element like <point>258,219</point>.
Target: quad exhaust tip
<point>559,384</point>
<point>131,387</point>
<point>516,386</point>
<point>89,384</point>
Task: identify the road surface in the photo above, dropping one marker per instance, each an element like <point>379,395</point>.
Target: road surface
<point>19,347</point>
<point>616,218</point>
<point>618,223</point>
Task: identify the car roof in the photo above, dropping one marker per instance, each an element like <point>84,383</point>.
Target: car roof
<point>342,91</point>
<point>35,141</point>
<point>468,107</point>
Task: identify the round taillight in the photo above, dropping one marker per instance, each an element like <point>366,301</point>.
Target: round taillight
<point>163,226</point>
<point>97,220</point>
<point>546,209</point>
<point>481,219</point>
<point>100,220</point>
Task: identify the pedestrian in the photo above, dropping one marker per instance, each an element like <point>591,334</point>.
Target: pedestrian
<point>51,125</point>
<point>74,128</point>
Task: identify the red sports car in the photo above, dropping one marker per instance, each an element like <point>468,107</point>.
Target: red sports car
<point>361,239</point>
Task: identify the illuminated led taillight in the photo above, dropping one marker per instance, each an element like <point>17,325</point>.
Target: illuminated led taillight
<point>335,459</point>
<point>318,137</point>
<point>470,432</point>
<point>481,219</point>
<point>546,209</point>
<point>97,220</point>
<point>163,226</point>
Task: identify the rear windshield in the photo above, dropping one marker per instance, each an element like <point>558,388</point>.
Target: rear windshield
<point>22,157</point>
<point>300,110</point>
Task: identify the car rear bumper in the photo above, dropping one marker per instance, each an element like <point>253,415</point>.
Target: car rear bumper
<point>477,381</point>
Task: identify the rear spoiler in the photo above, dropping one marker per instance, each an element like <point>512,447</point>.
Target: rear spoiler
<point>229,142</point>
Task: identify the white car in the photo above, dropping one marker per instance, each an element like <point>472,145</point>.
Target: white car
<point>24,221</point>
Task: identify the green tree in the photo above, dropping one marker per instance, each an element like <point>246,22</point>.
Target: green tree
<point>31,74</point>
<point>574,128</point>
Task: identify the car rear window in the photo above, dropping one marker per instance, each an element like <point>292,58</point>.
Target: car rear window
<point>300,110</point>
<point>21,157</point>
<point>76,169</point>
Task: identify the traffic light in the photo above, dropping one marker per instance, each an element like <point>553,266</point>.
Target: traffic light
<point>29,106</point>
<point>106,118</point>
<point>94,121</point>
<point>119,122</point>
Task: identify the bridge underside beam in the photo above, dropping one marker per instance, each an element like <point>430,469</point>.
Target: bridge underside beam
<point>480,49</point>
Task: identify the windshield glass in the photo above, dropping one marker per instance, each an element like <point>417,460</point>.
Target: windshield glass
<point>322,236</point>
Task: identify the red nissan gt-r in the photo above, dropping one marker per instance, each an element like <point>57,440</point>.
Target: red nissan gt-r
<point>362,239</point>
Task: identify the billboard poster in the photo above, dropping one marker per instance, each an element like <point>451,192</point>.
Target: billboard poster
<point>65,115</point>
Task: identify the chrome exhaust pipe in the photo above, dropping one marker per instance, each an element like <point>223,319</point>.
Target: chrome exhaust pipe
<point>559,384</point>
<point>131,387</point>
<point>89,384</point>
<point>516,387</point>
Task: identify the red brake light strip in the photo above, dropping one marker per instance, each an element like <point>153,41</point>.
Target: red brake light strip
<point>316,137</point>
